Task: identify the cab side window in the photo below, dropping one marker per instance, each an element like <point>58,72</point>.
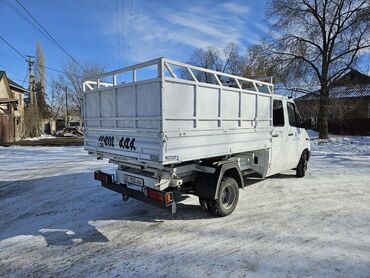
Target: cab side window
<point>278,113</point>
<point>293,115</point>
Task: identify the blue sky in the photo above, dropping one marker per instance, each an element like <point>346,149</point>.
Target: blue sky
<point>117,33</point>
<point>88,30</point>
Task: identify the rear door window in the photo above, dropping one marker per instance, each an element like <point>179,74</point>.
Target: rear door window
<point>278,113</point>
<point>293,115</point>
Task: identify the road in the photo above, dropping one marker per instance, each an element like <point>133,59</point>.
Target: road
<point>55,220</point>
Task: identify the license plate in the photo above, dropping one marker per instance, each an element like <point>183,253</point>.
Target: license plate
<point>133,180</point>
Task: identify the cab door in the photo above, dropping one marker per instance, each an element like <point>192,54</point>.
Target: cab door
<point>294,135</point>
<point>279,139</point>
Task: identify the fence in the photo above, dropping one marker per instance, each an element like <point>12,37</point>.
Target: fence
<point>7,128</point>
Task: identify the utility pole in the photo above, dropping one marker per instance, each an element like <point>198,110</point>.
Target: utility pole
<point>66,96</point>
<point>31,79</point>
<point>32,121</point>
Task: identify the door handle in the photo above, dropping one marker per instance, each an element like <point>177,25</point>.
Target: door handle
<point>275,135</point>
<point>290,134</point>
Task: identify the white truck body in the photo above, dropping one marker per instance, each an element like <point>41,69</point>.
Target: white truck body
<point>177,114</point>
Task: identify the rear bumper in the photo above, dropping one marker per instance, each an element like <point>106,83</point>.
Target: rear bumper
<point>148,195</point>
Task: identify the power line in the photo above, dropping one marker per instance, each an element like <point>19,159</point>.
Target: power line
<point>60,71</point>
<point>24,79</point>
<point>23,16</point>
<point>118,35</point>
<point>36,68</point>
<point>17,79</point>
<point>12,47</point>
<point>24,57</point>
<point>123,30</point>
<point>46,34</point>
<point>129,33</point>
<point>49,36</point>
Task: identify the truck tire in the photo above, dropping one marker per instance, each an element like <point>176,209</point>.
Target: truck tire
<point>227,197</point>
<point>302,166</point>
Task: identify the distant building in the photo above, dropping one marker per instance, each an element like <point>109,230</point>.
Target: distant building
<point>11,109</point>
<point>349,107</point>
<point>74,119</point>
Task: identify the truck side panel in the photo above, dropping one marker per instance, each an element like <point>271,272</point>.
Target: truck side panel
<point>204,120</point>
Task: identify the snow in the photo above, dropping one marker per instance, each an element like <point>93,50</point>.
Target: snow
<point>55,220</point>
<point>312,134</point>
<point>42,136</point>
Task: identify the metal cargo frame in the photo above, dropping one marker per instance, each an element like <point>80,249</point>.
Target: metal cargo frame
<point>176,116</point>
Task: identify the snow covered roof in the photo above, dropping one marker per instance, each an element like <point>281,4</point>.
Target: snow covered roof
<point>342,92</point>
<point>354,84</point>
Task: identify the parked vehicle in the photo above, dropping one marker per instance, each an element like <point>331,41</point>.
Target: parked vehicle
<point>189,129</point>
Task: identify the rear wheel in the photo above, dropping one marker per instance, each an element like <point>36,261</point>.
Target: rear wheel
<point>227,197</point>
<point>302,166</point>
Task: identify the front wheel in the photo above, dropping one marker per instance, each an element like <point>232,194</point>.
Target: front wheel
<point>302,166</point>
<point>227,197</point>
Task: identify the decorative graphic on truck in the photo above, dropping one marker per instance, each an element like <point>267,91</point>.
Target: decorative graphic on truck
<point>124,142</point>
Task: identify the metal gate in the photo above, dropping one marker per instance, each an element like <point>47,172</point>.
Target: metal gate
<point>7,128</point>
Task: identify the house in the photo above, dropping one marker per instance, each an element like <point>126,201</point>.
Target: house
<point>349,105</point>
<point>11,109</point>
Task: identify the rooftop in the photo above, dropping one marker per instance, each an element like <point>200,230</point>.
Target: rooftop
<point>12,84</point>
<point>352,85</point>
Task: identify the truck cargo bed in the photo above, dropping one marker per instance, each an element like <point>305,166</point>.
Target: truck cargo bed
<point>175,113</point>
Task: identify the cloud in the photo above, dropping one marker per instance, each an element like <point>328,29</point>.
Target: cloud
<point>262,27</point>
<point>173,31</point>
<point>236,8</point>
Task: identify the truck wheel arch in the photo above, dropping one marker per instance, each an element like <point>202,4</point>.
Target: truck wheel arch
<point>208,185</point>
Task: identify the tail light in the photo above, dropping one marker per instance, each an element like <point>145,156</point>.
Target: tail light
<point>157,195</point>
<point>103,177</point>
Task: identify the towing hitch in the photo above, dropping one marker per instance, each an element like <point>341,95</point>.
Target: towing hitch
<point>147,195</point>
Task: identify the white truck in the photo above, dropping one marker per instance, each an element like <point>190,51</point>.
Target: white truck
<point>171,126</point>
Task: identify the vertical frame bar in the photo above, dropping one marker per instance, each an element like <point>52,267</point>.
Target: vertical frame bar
<point>99,97</point>
<point>115,107</point>
<point>219,107</point>
<point>196,112</point>
<point>240,109</point>
<point>133,87</point>
<point>256,114</point>
<point>160,68</point>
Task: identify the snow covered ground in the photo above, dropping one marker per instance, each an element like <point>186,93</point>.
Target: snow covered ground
<point>43,136</point>
<point>55,220</point>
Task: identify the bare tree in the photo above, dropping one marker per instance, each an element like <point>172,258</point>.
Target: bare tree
<point>40,84</point>
<point>73,79</point>
<point>36,107</point>
<point>321,40</point>
<point>55,99</point>
<point>228,60</point>
<point>257,63</point>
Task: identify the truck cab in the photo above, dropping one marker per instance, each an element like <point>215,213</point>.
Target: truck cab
<point>290,140</point>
